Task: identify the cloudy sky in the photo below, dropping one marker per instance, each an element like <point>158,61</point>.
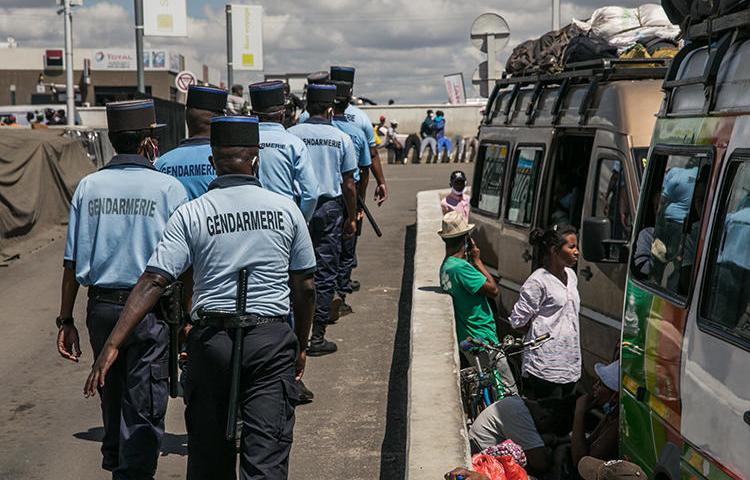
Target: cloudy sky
<point>401,48</point>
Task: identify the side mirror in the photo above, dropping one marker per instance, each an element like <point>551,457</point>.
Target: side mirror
<point>596,244</point>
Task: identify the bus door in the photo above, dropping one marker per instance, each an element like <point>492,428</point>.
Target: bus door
<point>716,390</point>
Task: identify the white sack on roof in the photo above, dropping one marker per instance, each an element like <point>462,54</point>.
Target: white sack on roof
<point>609,22</point>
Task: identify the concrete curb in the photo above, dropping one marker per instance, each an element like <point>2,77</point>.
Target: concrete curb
<point>436,434</point>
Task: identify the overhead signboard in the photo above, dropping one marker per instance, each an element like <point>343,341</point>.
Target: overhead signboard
<point>454,85</point>
<point>247,37</point>
<point>164,18</point>
<point>124,59</point>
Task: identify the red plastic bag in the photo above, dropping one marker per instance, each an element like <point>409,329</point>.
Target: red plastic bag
<point>488,465</point>
<point>513,471</point>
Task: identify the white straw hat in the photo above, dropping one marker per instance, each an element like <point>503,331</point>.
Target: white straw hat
<point>455,225</point>
<point>609,374</point>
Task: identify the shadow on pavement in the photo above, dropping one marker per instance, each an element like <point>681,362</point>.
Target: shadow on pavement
<point>432,289</point>
<point>393,449</point>
<point>171,444</point>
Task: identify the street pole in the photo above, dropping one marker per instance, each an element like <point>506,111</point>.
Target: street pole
<point>555,14</point>
<point>69,89</point>
<point>230,51</point>
<point>139,45</point>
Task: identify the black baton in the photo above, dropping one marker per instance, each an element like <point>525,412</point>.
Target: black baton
<point>171,305</point>
<point>234,387</point>
<point>369,216</point>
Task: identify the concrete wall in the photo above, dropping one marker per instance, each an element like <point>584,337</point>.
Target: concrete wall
<point>436,440</point>
<point>459,119</point>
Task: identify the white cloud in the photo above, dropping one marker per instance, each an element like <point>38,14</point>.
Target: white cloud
<point>401,48</point>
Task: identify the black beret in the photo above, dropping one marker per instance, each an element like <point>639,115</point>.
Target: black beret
<point>131,115</point>
<point>318,93</point>
<point>343,74</point>
<point>239,131</point>
<point>266,94</point>
<point>206,98</point>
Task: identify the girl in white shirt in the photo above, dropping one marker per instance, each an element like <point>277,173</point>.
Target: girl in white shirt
<point>549,303</point>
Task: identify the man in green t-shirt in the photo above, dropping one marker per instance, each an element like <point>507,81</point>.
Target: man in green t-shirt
<point>470,285</point>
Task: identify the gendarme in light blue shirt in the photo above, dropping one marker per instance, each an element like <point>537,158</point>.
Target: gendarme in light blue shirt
<point>189,164</point>
<point>237,224</point>
<point>358,139</point>
<point>357,117</point>
<point>332,153</point>
<point>286,167</point>
<point>117,217</point>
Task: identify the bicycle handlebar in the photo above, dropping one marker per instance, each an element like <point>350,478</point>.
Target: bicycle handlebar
<point>474,343</point>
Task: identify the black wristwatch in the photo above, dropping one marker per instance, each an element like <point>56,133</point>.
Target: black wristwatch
<point>59,321</point>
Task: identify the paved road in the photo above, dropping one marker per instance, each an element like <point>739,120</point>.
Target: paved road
<point>354,429</point>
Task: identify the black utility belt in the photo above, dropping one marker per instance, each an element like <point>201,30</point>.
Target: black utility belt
<point>118,296</point>
<point>322,200</point>
<point>227,320</point>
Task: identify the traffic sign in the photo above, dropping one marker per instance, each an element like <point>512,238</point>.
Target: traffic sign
<point>184,79</point>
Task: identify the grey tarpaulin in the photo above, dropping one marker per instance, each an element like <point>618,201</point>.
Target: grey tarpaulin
<point>39,171</point>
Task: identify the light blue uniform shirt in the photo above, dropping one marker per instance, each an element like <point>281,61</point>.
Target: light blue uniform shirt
<point>117,217</point>
<point>357,117</point>
<point>332,153</point>
<point>736,241</point>
<point>189,164</point>
<point>286,167</point>
<point>677,192</point>
<point>237,224</point>
<point>358,139</point>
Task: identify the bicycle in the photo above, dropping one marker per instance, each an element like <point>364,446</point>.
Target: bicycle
<point>482,385</point>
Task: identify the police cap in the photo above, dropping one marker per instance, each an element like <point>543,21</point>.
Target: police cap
<point>131,115</point>
<point>318,77</point>
<point>266,95</point>
<point>238,131</point>
<point>324,94</point>
<point>343,74</point>
<point>206,98</point>
<point>343,90</point>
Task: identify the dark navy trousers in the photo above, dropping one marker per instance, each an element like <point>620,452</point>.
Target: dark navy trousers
<point>135,393</point>
<point>326,230</point>
<point>347,263</point>
<point>268,395</point>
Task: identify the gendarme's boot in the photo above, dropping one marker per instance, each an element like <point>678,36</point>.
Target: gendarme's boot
<point>319,346</point>
<point>305,394</point>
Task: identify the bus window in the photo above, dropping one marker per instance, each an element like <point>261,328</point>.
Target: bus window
<point>671,218</point>
<point>491,181</point>
<point>611,199</point>
<point>523,185</point>
<point>726,304</point>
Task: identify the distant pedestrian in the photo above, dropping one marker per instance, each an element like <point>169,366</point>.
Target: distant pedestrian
<point>393,143</point>
<point>457,200</point>
<point>443,142</point>
<point>427,133</point>
<point>236,103</point>
<point>549,303</point>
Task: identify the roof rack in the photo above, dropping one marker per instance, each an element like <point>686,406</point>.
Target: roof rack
<point>612,68</point>
<point>592,72</point>
<point>710,26</point>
